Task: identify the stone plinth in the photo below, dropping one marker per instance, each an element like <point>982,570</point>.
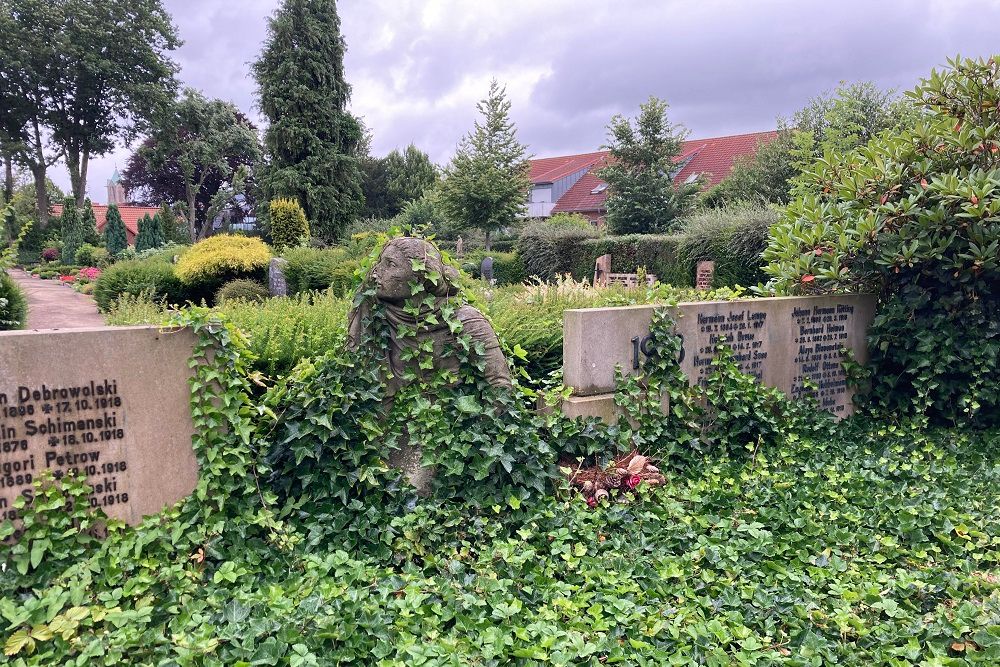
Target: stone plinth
<point>784,342</point>
<point>111,402</point>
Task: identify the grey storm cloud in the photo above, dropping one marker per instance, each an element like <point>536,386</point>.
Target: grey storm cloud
<point>417,68</point>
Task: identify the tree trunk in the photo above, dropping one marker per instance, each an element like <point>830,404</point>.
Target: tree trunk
<point>487,246</point>
<point>77,163</point>
<point>192,219</point>
<point>41,195</point>
<point>8,177</point>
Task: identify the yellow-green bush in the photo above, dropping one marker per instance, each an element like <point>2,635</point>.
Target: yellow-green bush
<point>289,227</point>
<point>211,263</point>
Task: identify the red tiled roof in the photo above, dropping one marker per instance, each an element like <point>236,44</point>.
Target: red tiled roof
<point>549,169</point>
<point>713,158</point>
<point>131,215</point>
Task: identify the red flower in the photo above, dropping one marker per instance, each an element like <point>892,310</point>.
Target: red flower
<point>632,482</point>
<point>591,501</point>
<point>808,278</point>
<point>67,279</point>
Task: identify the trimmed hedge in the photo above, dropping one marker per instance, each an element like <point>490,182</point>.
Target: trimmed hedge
<point>549,250</point>
<point>312,268</point>
<point>137,277</point>
<point>657,253</point>
<point>508,269</point>
<point>13,305</point>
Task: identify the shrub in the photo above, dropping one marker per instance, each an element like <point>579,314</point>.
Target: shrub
<point>13,305</point>
<point>89,255</point>
<point>289,227</point>
<point>211,263</point>
<point>50,254</point>
<point>508,269</point>
<point>72,229</point>
<point>657,254</point>
<point>546,248</point>
<point>913,216</point>
<point>150,234</point>
<point>312,268</point>
<point>115,234</point>
<point>344,277</point>
<point>733,238</point>
<point>250,291</point>
<point>135,277</point>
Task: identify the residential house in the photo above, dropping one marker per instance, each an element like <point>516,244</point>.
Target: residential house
<point>569,184</point>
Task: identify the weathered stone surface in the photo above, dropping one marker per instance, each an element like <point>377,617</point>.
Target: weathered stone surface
<point>704,272</point>
<point>781,341</point>
<point>276,280</point>
<point>113,402</point>
<point>486,269</point>
<point>602,269</point>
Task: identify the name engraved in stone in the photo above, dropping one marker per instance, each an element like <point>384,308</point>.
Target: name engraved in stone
<point>74,430</point>
<point>739,330</point>
<point>819,372</point>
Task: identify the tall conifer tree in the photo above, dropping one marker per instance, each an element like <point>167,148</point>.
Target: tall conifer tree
<point>72,231</point>
<point>115,236</point>
<point>144,239</point>
<point>312,141</point>
<point>88,221</point>
<point>486,185</point>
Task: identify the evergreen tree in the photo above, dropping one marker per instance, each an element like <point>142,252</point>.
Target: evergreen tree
<point>289,227</point>
<point>642,195</point>
<point>115,236</point>
<point>144,239</point>
<point>312,141</point>
<point>486,185</point>
<point>88,222</point>
<point>156,237</point>
<point>174,230</point>
<point>72,231</point>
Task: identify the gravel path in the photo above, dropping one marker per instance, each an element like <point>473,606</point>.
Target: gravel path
<point>52,305</point>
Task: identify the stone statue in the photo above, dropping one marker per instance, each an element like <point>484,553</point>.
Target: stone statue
<point>459,247</point>
<point>392,276</point>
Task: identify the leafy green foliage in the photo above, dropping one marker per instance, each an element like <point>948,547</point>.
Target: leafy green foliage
<point>115,236</point>
<point>734,238</point>
<point>913,216</point>
<point>486,184</point>
<point>311,140</point>
<point>250,291</point>
<point>393,181</point>
<point>546,246</point>
<point>144,239</point>
<point>89,255</point>
<point>642,195</point>
<point>820,543</point>
<point>764,178</point>
<point>288,224</point>
<point>88,222</point>
<point>13,304</point>
<point>152,278</point>
<point>72,229</point>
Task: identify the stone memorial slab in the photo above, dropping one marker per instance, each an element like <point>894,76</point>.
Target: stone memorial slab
<point>704,272</point>
<point>276,281</point>
<point>784,342</point>
<point>111,402</point>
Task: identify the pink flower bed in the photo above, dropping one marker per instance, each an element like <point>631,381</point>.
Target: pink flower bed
<point>67,279</point>
<point>89,273</point>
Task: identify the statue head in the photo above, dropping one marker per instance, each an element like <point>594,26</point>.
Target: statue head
<point>393,273</point>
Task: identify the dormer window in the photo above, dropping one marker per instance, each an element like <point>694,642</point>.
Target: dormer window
<point>599,189</point>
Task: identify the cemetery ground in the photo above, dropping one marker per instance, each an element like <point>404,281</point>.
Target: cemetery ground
<point>780,536</point>
<point>52,305</point>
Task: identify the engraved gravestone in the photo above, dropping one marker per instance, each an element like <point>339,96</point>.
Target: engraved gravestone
<point>784,342</point>
<point>704,273</point>
<point>112,403</point>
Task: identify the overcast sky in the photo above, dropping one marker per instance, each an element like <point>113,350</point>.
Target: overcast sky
<point>725,66</point>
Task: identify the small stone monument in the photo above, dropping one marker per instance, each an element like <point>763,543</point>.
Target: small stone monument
<point>486,269</point>
<point>276,280</point>
<point>703,275</point>
<point>394,276</point>
<point>459,247</point>
<point>602,269</point>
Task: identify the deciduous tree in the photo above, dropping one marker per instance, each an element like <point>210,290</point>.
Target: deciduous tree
<point>642,195</point>
<point>196,149</point>
<point>486,184</point>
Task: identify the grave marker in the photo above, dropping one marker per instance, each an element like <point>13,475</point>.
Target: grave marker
<point>111,402</point>
<point>783,342</point>
<point>704,273</point>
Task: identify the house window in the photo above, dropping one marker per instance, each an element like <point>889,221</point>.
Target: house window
<point>692,178</point>
<point>599,189</point>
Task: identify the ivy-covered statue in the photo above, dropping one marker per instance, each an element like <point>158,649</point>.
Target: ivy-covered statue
<point>413,297</point>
